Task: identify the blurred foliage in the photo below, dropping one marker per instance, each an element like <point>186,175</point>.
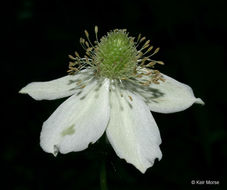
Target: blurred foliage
<point>38,36</point>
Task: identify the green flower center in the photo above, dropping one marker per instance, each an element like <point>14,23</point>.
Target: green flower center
<point>115,55</point>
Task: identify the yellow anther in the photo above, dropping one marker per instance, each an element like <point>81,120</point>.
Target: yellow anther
<point>71,57</point>
<point>144,59</point>
<point>89,49</point>
<point>71,64</point>
<point>160,62</point>
<point>88,53</point>
<point>82,40</point>
<point>87,44</point>
<point>140,54</point>
<point>130,98</point>
<point>145,46</point>
<point>162,79</point>
<point>156,82</point>
<point>79,82</point>
<point>148,73</point>
<point>140,75</point>
<point>77,54</point>
<point>156,51</point>
<point>86,33</point>
<point>149,49</point>
<point>142,39</point>
<point>155,72</point>
<point>151,64</point>
<point>138,38</point>
<point>147,42</point>
<point>96,29</point>
<point>82,86</point>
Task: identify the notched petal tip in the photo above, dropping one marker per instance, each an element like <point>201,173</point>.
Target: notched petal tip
<point>56,150</point>
<point>150,163</point>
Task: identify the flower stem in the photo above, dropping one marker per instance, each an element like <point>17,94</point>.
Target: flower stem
<point>103,182</point>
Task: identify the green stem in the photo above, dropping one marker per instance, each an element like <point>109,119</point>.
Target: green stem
<point>103,182</point>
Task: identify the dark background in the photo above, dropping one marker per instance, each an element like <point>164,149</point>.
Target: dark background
<point>38,37</point>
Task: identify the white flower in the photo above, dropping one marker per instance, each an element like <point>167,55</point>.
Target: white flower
<point>112,95</point>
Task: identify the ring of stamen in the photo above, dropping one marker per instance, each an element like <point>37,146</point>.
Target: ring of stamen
<point>115,56</point>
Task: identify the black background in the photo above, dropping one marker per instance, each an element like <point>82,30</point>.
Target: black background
<point>38,37</point>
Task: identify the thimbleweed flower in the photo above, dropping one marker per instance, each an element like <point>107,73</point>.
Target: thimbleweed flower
<point>113,88</point>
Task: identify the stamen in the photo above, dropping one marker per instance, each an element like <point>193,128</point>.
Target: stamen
<point>88,53</point>
<point>156,72</point>
<point>162,79</point>
<point>147,42</point>
<point>77,54</point>
<point>87,35</point>
<point>82,86</point>
<point>155,81</point>
<point>151,64</point>
<point>144,47</point>
<point>87,44</point>
<point>71,64</point>
<point>143,61</point>
<point>79,82</point>
<point>140,54</point>
<point>140,75</point>
<point>141,40</point>
<point>71,57</point>
<point>148,73</point>
<point>156,51</point>
<point>82,41</point>
<point>130,98</point>
<point>138,38</point>
<point>96,34</point>
<point>72,70</point>
<point>160,62</point>
<point>149,49</point>
<point>127,62</point>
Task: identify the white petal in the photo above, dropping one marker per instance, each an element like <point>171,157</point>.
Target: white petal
<point>133,132</point>
<point>169,96</point>
<point>78,121</point>
<point>57,88</point>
